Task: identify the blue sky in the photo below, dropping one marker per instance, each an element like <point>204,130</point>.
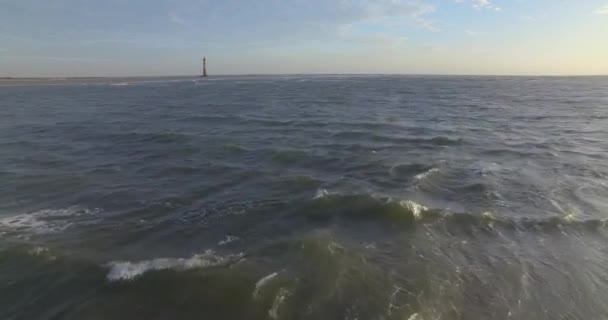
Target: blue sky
<point>169,37</point>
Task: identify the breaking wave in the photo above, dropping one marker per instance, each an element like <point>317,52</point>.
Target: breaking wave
<point>331,205</point>
<point>421,176</point>
<point>262,282</point>
<point>127,270</point>
<point>44,221</point>
<point>228,240</point>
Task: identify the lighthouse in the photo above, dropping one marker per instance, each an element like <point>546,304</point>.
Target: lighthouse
<point>204,67</point>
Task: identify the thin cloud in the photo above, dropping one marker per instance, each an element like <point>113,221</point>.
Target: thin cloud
<point>374,39</point>
<point>481,4</point>
<point>222,22</point>
<point>56,58</point>
<point>18,38</point>
<point>306,18</point>
<point>175,18</point>
<point>135,40</point>
<point>472,33</point>
<point>603,10</point>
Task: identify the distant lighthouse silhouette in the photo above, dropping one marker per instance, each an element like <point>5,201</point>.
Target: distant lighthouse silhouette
<point>204,67</point>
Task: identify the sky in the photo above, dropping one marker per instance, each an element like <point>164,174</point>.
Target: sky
<point>170,37</point>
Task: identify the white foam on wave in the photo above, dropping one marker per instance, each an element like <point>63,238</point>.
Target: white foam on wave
<point>416,208</point>
<point>281,296</point>
<point>42,252</point>
<point>37,251</point>
<point>488,215</point>
<point>568,212</point>
<point>262,282</point>
<point>486,169</point>
<point>569,218</point>
<point>415,316</point>
<point>228,240</point>
<point>23,221</point>
<point>421,176</point>
<point>322,193</point>
<point>43,221</point>
<point>127,270</point>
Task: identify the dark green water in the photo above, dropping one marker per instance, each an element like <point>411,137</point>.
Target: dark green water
<point>305,197</point>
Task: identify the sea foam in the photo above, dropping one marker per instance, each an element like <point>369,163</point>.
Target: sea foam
<point>421,176</point>
<point>228,240</point>
<point>262,282</point>
<point>322,193</point>
<point>416,208</point>
<point>43,221</point>
<point>127,270</point>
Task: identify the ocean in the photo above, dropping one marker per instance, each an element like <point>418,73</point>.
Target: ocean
<point>305,197</point>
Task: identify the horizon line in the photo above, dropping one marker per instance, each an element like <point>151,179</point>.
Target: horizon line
<point>58,78</point>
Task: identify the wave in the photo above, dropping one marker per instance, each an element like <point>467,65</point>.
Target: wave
<point>322,193</point>
<point>43,221</point>
<point>289,156</point>
<point>126,270</point>
<point>33,252</point>
<point>279,299</point>
<point>435,141</point>
<point>37,251</point>
<point>422,176</point>
<point>407,170</point>
<point>330,205</point>
<point>415,208</point>
<point>228,240</point>
<point>326,204</point>
<point>144,137</point>
<point>262,282</point>
<point>312,275</point>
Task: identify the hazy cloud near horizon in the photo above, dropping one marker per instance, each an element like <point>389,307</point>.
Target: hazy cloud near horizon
<point>156,37</point>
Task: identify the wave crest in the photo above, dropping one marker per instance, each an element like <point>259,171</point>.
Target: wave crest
<point>421,176</point>
<point>330,205</point>
<point>43,221</point>
<point>327,204</point>
<point>126,270</point>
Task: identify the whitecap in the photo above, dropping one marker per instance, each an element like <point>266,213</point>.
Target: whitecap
<point>262,282</point>
<point>281,296</point>
<point>23,221</point>
<point>127,270</point>
<point>488,216</point>
<point>42,252</point>
<point>322,193</point>
<point>487,169</point>
<point>370,246</point>
<point>36,251</point>
<point>415,316</point>
<point>43,221</point>
<point>568,214</point>
<point>557,205</point>
<point>416,208</point>
<point>229,239</point>
<point>421,176</point>
<point>569,218</point>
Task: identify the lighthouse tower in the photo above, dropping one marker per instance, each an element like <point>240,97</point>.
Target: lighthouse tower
<point>204,67</point>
